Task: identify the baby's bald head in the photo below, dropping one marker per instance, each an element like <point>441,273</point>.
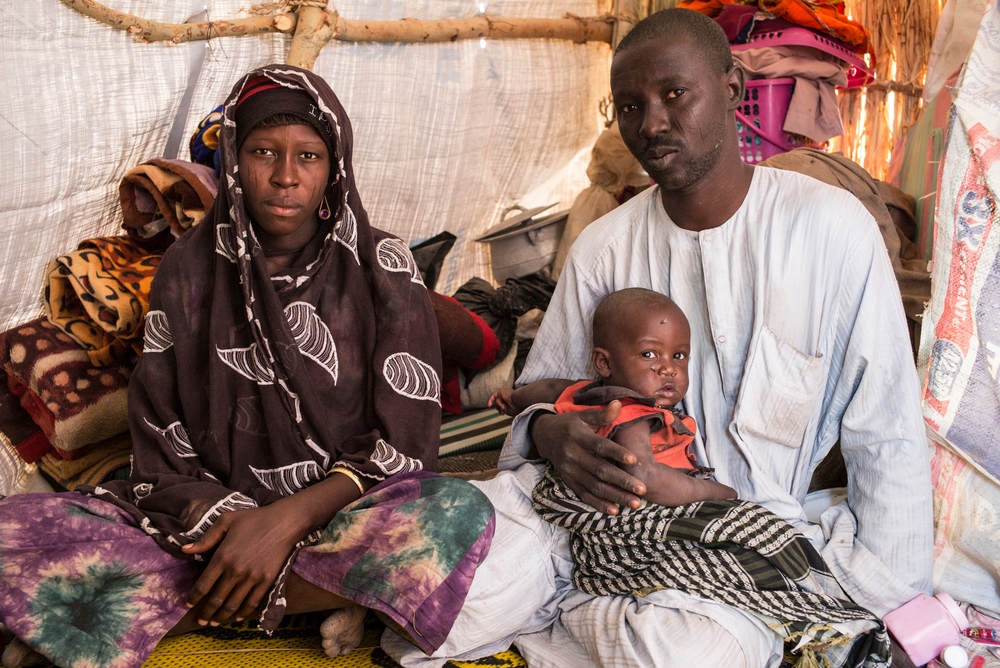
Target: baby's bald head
<point>619,311</point>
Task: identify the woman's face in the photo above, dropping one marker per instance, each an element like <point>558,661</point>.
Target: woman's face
<point>284,172</point>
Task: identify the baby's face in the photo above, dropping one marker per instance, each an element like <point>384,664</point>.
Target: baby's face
<point>651,356</point>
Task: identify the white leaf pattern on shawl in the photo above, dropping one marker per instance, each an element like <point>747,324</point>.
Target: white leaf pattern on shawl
<point>148,527</point>
<point>234,501</point>
<point>391,461</point>
<point>286,480</point>
<point>157,337</point>
<point>412,378</point>
<point>324,455</point>
<point>312,336</point>
<point>176,437</point>
<point>225,241</point>
<point>352,467</point>
<point>295,400</point>
<point>347,232</point>
<point>249,362</point>
<point>393,255</point>
<point>142,490</point>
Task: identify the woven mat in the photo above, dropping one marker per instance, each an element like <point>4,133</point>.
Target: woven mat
<point>470,463</point>
<point>474,432</point>
<point>295,644</point>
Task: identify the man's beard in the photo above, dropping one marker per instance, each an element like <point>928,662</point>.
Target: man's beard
<point>689,173</point>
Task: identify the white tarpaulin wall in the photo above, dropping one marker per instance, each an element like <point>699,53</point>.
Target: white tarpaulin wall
<point>960,346</point>
<point>446,135</point>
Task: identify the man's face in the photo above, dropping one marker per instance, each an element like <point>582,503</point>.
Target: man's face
<point>672,109</point>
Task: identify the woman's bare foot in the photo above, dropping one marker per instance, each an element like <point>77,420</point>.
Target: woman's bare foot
<point>18,653</point>
<point>342,630</point>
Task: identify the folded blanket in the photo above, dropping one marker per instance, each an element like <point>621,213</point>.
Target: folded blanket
<point>74,402</point>
<point>166,193</point>
<point>204,142</point>
<point>732,552</point>
<point>101,462</point>
<point>99,295</point>
<point>823,16</point>
<point>17,430</point>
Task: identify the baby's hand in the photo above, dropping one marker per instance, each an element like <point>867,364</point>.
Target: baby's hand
<point>503,401</point>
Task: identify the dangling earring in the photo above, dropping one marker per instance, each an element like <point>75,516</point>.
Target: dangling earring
<point>324,209</point>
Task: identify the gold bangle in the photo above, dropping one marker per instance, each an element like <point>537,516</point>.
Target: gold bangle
<point>350,474</point>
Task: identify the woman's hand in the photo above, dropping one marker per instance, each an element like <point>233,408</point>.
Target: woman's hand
<point>585,461</point>
<point>250,546</point>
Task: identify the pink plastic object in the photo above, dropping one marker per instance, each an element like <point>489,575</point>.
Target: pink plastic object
<point>926,625</point>
<point>760,118</point>
<point>859,73</point>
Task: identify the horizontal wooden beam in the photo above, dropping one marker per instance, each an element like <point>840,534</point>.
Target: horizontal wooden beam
<point>897,87</point>
<point>573,28</point>
<point>145,30</point>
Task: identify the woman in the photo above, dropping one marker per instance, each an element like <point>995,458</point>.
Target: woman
<point>290,366</point>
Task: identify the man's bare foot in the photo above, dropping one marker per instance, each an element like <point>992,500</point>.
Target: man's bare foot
<point>342,630</point>
<point>18,653</point>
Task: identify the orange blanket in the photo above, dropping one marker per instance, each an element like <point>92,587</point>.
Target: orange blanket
<point>824,16</point>
<point>99,295</point>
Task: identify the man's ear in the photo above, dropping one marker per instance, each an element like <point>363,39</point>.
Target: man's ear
<point>602,362</point>
<point>735,86</point>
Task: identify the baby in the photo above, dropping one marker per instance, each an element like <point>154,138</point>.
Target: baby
<point>641,345</point>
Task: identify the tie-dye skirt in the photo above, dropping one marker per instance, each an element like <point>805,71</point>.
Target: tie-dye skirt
<point>85,586</point>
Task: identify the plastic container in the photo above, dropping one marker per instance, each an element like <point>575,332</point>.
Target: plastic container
<point>926,625</point>
<point>953,656</point>
<point>760,118</point>
<point>523,244</point>
<point>858,73</point>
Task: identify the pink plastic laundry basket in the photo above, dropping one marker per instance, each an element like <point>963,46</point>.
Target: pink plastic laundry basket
<point>858,72</point>
<point>760,118</point>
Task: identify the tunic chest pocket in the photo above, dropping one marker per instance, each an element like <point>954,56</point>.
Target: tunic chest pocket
<point>779,391</point>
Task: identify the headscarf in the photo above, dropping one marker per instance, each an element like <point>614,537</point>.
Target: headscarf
<point>252,387</point>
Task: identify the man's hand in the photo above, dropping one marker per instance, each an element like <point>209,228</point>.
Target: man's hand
<point>585,461</point>
<point>250,546</point>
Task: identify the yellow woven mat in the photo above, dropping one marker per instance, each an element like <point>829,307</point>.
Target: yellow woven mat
<point>295,644</point>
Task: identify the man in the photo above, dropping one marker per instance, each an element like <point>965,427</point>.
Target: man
<point>798,340</point>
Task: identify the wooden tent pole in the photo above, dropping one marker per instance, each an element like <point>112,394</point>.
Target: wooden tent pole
<point>573,28</point>
<point>144,30</point>
<point>312,32</point>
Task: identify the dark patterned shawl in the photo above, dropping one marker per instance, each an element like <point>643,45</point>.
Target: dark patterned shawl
<point>733,552</point>
<point>252,387</point>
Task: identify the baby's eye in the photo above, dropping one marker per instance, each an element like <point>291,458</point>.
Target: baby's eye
<point>680,356</point>
<point>648,354</point>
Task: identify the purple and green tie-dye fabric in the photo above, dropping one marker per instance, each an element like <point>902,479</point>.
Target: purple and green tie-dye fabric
<point>84,585</point>
<point>409,548</point>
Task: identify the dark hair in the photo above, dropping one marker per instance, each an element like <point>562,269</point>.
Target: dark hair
<point>669,24</point>
<point>609,314</point>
